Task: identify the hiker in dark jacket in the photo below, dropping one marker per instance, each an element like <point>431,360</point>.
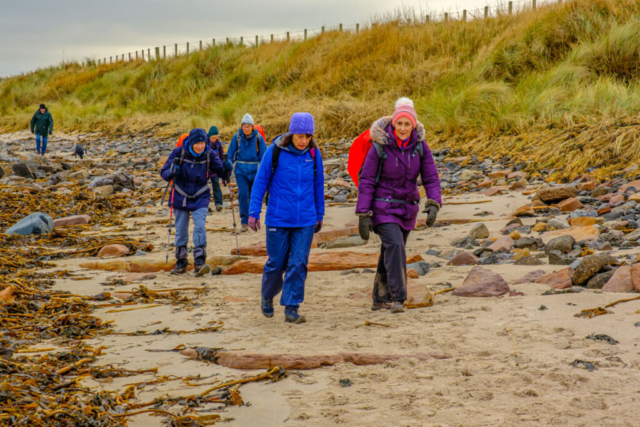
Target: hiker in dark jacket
<point>216,145</point>
<point>389,205</point>
<point>246,150</point>
<point>42,126</point>
<point>295,212</point>
<point>190,167</point>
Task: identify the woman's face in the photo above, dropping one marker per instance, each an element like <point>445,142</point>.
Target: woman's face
<point>213,139</point>
<point>198,147</point>
<point>301,140</point>
<point>403,128</point>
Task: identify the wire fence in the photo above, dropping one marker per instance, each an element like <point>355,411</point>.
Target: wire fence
<point>185,49</point>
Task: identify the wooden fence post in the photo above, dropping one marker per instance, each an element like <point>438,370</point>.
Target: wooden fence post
<point>464,15</point>
<point>164,52</point>
<point>129,56</point>
<point>427,19</point>
<point>227,40</point>
<point>110,59</point>
<point>98,61</point>
<point>486,12</point>
<point>305,33</point>
<point>142,53</point>
<point>176,50</point>
<point>271,38</point>
<point>288,38</point>
<point>340,27</point>
<point>323,29</point>
<point>136,55</point>
<point>533,4</point>
<point>357,28</point>
<point>213,42</point>
<point>157,53</point>
<point>257,41</point>
<point>187,48</point>
<point>510,8</point>
<point>446,16</point>
<point>200,46</point>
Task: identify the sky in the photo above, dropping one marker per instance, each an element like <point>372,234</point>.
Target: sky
<point>38,33</point>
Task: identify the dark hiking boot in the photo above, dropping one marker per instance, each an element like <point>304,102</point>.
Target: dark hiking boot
<point>267,307</point>
<point>398,307</point>
<point>377,306</point>
<point>291,316</point>
<point>200,268</point>
<point>181,267</point>
<point>218,208</point>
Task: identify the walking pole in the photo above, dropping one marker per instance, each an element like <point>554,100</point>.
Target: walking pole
<point>169,234</point>
<point>233,211</point>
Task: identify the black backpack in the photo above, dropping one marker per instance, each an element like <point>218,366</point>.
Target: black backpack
<point>275,156</point>
<point>419,149</point>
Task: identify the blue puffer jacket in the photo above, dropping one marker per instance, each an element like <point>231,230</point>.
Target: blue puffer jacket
<point>192,178</point>
<point>296,196</point>
<point>245,156</point>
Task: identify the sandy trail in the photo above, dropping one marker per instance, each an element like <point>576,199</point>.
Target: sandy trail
<point>483,383</point>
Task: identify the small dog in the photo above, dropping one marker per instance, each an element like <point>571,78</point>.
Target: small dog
<point>80,152</point>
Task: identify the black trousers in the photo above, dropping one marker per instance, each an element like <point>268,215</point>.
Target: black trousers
<point>390,284</point>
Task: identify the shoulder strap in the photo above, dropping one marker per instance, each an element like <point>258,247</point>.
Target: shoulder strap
<point>312,151</point>
<point>275,156</point>
<point>381,157</point>
<point>419,148</point>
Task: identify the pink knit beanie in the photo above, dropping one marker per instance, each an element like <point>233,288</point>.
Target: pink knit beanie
<point>404,108</point>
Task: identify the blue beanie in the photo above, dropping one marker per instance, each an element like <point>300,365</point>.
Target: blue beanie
<point>196,135</point>
<point>302,123</point>
<point>212,131</point>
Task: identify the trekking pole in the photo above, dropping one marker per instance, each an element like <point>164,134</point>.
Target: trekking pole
<point>233,211</point>
<point>166,261</point>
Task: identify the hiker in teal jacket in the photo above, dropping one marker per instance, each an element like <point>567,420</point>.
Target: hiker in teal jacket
<point>246,150</point>
<point>42,126</point>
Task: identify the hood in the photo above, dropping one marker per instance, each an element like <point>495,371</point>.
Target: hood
<point>379,130</point>
<point>278,140</point>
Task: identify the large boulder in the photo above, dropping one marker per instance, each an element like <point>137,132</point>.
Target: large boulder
<point>557,194</point>
<point>590,266</point>
<point>561,279</point>
<point>563,244</point>
<point>36,223</point>
<point>620,281</point>
<point>72,220</point>
<point>482,283</point>
<point>24,170</point>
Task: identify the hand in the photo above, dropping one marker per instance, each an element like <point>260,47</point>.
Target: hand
<point>318,227</point>
<point>224,177</point>
<point>228,166</point>
<point>175,170</point>
<point>50,133</point>
<point>254,223</point>
<point>365,227</point>
<point>431,208</point>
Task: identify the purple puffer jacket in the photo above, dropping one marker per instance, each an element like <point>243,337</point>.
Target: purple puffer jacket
<point>398,179</point>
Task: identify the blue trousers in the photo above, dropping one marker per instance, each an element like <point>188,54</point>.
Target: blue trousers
<point>217,191</point>
<point>288,250</point>
<point>199,232</point>
<point>245,182</point>
<point>44,143</point>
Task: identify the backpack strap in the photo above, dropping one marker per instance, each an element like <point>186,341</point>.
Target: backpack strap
<point>275,156</point>
<point>381,157</point>
<point>312,151</point>
<point>419,149</point>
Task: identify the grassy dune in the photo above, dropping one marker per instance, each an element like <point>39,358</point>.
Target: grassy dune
<point>557,86</point>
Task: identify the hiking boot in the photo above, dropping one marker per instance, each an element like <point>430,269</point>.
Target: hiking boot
<point>244,228</point>
<point>216,271</point>
<point>267,307</point>
<point>377,306</point>
<point>291,316</point>
<point>398,307</point>
<point>218,208</point>
<point>181,267</point>
<point>200,268</point>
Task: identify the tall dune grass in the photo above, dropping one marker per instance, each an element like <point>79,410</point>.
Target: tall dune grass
<point>488,80</point>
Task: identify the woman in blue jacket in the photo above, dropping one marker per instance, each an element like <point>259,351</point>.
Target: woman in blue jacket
<point>246,150</point>
<point>293,174</point>
<point>190,167</point>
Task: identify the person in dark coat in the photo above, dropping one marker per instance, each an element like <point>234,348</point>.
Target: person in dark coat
<point>246,150</point>
<point>216,145</point>
<point>388,198</point>
<point>42,126</point>
<point>295,212</point>
<point>190,167</point>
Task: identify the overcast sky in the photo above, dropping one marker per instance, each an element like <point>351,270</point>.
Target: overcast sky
<point>37,33</point>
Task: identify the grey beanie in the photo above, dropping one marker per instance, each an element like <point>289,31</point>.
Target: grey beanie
<point>247,120</point>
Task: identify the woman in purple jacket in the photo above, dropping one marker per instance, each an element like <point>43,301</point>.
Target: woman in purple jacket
<point>388,199</point>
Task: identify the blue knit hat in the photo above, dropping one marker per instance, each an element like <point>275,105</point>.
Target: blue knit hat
<point>198,135</point>
<point>302,123</point>
<point>212,131</point>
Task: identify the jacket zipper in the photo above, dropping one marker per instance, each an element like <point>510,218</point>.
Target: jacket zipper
<point>299,178</point>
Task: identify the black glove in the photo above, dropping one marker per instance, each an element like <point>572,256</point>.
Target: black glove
<point>431,208</point>
<point>224,178</point>
<point>175,170</point>
<point>365,227</point>
<point>50,133</point>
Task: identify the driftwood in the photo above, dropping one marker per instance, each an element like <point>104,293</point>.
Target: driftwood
<point>237,360</point>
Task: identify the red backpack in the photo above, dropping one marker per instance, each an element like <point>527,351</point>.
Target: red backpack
<point>357,154</point>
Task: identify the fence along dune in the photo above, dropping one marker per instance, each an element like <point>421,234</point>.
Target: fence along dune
<point>534,81</point>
